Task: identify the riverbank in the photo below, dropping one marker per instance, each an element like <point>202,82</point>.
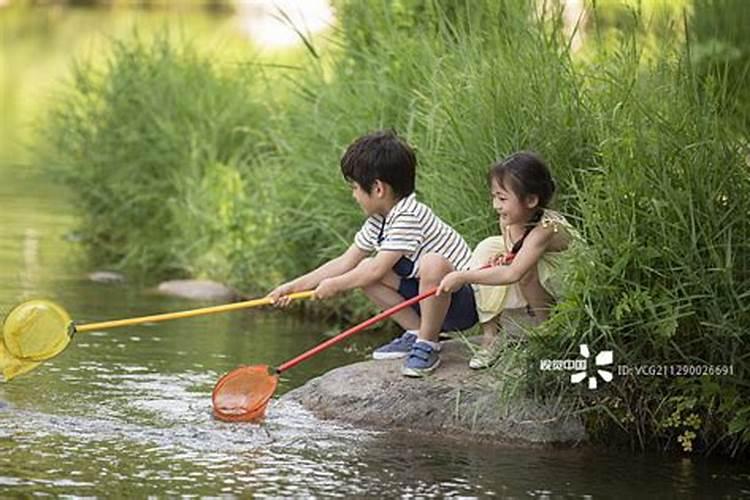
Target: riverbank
<point>453,402</point>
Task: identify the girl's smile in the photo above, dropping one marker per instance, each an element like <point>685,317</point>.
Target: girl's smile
<point>510,208</point>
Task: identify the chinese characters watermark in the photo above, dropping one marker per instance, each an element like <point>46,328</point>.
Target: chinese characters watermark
<point>603,368</point>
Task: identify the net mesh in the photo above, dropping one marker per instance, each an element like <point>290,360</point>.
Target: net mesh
<point>32,332</point>
<point>243,393</point>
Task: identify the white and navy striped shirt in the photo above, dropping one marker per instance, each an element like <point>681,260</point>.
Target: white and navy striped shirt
<point>412,228</point>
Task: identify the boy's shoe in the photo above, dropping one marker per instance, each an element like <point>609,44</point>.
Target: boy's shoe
<point>422,360</point>
<point>398,348</point>
<point>485,357</point>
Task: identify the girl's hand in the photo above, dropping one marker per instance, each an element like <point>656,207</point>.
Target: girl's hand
<point>496,260</point>
<point>326,289</point>
<point>451,282</point>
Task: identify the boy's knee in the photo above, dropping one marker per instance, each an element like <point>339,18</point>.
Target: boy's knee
<point>433,267</point>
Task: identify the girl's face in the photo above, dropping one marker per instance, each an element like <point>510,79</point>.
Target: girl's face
<point>512,209</point>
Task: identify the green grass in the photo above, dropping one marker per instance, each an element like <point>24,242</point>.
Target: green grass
<point>183,167</point>
<point>152,144</point>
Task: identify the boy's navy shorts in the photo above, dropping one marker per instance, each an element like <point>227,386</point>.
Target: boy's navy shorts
<point>462,313</point>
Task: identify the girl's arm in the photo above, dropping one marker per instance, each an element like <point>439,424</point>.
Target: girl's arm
<point>533,249</point>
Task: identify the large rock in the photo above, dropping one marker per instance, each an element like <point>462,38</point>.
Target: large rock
<point>453,400</point>
<point>198,290</point>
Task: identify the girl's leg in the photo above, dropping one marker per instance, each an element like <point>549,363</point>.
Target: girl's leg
<point>489,299</point>
<point>490,331</point>
<point>492,345</point>
<point>540,301</point>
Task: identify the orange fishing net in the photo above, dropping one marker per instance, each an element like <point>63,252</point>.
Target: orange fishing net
<point>242,394</point>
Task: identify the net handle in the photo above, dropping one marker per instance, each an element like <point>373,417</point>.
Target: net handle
<point>355,329</point>
<point>186,314</point>
<point>358,328</point>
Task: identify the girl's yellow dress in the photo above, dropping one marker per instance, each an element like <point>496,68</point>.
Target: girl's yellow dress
<point>492,300</point>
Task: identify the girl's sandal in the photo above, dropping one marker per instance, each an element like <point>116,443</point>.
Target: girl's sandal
<point>485,357</point>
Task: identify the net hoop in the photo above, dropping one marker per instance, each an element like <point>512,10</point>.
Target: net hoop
<point>36,330</point>
<point>242,394</point>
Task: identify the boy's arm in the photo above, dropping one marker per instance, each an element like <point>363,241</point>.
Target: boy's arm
<point>365,273</point>
<point>532,250</point>
<point>334,267</point>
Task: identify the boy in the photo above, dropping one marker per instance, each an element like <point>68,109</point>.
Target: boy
<point>411,248</point>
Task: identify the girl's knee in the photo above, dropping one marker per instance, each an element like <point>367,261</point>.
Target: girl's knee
<point>487,248</point>
<point>531,278</point>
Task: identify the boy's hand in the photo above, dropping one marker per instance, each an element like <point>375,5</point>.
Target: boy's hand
<point>327,288</point>
<point>451,282</point>
<point>279,295</point>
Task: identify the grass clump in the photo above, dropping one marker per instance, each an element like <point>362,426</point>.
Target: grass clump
<point>151,144</point>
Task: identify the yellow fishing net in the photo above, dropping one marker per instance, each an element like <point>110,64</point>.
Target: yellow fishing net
<point>32,332</point>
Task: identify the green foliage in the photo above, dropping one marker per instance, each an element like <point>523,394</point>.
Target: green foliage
<point>720,52</point>
<point>179,166</point>
<point>142,141</point>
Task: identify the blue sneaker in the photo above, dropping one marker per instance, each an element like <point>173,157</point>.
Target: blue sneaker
<point>398,348</point>
<point>423,359</point>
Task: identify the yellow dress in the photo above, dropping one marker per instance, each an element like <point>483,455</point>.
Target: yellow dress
<point>491,300</point>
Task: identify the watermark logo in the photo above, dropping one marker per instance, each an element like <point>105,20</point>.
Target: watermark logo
<point>603,358</point>
<point>586,368</point>
<point>581,366</point>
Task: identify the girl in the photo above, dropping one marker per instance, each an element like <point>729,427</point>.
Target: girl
<point>524,257</point>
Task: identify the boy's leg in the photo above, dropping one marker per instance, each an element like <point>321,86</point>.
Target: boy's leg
<point>385,295</point>
<point>540,301</point>
<point>433,269</point>
<point>424,356</point>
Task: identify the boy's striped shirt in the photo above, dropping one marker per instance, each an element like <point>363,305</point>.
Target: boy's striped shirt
<point>412,228</point>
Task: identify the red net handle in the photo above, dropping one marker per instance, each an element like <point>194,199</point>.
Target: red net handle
<point>358,328</point>
<point>355,329</point>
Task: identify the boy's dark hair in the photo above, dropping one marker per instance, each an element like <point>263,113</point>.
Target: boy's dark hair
<point>525,174</point>
<point>380,155</point>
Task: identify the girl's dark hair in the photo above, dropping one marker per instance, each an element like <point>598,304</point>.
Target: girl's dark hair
<point>525,174</point>
<point>384,156</point>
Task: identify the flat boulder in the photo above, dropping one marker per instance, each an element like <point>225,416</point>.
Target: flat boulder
<point>198,290</point>
<point>454,400</point>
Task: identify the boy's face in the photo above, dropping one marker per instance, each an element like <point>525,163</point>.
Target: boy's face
<point>511,209</point>
<point>367,201</point>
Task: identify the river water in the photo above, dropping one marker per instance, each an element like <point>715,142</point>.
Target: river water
<point>126,412</point>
